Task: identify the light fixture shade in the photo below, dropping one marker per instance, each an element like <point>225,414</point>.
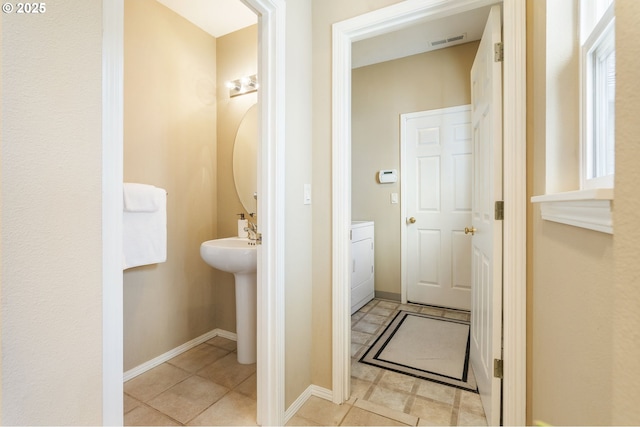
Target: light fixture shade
<point>242,86</point>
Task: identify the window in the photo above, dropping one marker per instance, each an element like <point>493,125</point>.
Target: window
<point>598,60</point>
<point>590,206</point>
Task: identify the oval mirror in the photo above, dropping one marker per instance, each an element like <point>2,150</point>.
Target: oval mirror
<point>245,149</point>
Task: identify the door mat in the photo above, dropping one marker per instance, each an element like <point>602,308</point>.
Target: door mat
<point>427,347</point>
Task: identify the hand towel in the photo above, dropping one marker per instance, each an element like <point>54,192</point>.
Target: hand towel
<point>145,233</point>
<point>142,197</point>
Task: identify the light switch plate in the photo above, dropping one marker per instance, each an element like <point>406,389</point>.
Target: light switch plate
<point>394,198</point>
<point>307,194</point>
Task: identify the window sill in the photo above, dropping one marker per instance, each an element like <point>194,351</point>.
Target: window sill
<point>591,209</point>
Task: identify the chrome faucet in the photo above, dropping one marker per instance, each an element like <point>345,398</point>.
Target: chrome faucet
<point>252,229</point>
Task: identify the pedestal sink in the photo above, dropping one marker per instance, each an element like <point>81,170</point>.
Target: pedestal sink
<point>238,255</point>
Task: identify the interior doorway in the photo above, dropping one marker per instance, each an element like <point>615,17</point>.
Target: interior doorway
<point>387,20</point>
<point>270,374</point>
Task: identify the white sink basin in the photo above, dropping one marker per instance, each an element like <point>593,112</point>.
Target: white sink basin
<point>233,254</point>
<point>238,255</point>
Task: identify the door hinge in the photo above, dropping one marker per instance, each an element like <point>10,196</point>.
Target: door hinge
<point>498,370</point>
<point>498,50</point>
<point>258,238</point>
<point>499,210</point>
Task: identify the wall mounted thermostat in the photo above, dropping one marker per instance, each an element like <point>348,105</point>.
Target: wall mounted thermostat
<point>387,176</point>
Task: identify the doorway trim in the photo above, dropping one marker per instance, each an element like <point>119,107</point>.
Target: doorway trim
<point>514,129</point>
<point>270,345</point>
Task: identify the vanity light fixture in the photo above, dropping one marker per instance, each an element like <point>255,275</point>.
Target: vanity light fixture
<point>242,86</point>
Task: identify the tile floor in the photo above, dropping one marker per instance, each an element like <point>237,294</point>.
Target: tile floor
<point>203,386</point>
<point>380,397</point>
<point>207,386</point>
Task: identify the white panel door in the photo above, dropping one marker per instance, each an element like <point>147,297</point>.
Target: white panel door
<point>486,310</point>
<point>436,165</point>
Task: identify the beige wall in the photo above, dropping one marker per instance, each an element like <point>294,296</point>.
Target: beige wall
<point>626,290</point>
<point>50,236</point>
<point>379,95</point>
<point>170,142</point>
<point>562,95</point>
<point>325,14</point>
<point>237,56</point>
<point>299,330</point>
<point>583,293</point>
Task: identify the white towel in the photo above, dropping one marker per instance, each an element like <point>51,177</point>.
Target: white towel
<point>145,233</point>
<point>142,197</point>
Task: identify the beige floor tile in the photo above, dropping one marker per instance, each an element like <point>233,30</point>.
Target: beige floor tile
<point>435,391</point>
<point>227,371</point>
<point>198,357</point>
<point>471,403</point>
<point>380,311</point>
<point>375,319</point>
<point>357,316</point>
<point>356,357</point>
<point>360,417</point>
<point>153,382</point>
<point>358,337</point>
<point>359,388</point>
<point>234,409</point>
<point>323,412</point>
<point>434,311</point>
<point>145,416</point>
<point>391,399</point>
<point>249,387</point>
<point>383,411</point>
<point>399,382</point>
<point>388,305</point>
<point>458,315</point>
<point>223,343</point>
<point>130,403</point>
<point>368,306</point>
<point>187,399</point>
<point>410,307</point>
<point>364,372</point>
<point>366,327</point>
<point>297,420</point>
<point>431,412</point>
<point>469,419</point>
<point>356,349</point>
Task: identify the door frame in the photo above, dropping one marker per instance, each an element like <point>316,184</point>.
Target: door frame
<point>514,136</point>
<point>404,265</point>
<point>270,346</point>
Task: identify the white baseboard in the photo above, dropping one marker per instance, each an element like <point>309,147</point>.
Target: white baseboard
<point>141,369</point>
<point>312,390</point>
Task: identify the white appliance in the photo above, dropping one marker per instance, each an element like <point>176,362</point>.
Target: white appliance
<point>362,264</point>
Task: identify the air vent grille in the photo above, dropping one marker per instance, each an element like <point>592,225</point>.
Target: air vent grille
<point>448,40</point>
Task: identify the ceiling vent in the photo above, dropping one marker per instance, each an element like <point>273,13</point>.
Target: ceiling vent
<point>449,40</point>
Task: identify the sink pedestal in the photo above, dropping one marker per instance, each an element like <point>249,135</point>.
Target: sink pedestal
<point>246,307</point>
<point>238,255</point>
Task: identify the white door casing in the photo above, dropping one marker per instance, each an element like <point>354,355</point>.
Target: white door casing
<point>271,66</point>
<point>486,310</point>
<point>436,205</point>
<point>383,21</point>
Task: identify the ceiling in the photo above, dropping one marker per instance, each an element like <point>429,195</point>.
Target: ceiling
<point>220,17</point>
<point>418,38</point>
<point>216,17</point>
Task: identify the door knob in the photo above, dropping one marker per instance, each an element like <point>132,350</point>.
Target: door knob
<point>412,220</point>
<point>471,230</point>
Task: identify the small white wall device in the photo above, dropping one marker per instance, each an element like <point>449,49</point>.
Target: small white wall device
<point>387,176</point>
